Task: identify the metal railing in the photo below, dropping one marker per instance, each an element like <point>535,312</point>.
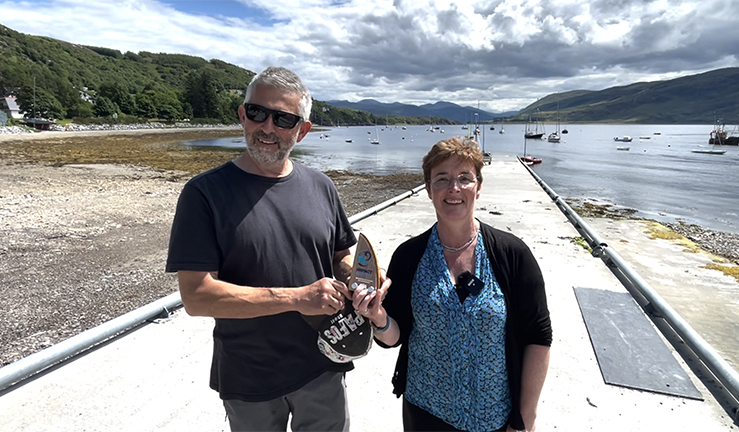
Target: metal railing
<point>55,354</point>
<point>39,361</point>
<point>653,304</point>
<point>383,205</point>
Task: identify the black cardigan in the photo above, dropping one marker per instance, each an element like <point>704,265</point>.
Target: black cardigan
<point>522,284</point>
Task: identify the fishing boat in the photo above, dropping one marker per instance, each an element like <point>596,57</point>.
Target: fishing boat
<point>624,138</point>
<point>623,148</point>
<point>720,136</point>
<point>534,129</point>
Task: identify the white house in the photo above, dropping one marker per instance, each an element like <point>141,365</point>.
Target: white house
<point>9,106</point>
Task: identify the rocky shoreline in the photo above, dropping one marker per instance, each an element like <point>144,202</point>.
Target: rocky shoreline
<point>86,217</point>
<point>18,130</point>
<point>717,242</point>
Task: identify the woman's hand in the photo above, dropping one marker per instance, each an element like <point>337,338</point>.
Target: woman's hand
<point>368,303</point>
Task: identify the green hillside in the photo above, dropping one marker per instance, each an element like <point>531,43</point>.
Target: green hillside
<point>692,99</point>
<point>65,80</point>
<point>141,85</point>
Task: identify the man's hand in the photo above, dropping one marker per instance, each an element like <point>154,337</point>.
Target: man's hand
<point>322,297</point>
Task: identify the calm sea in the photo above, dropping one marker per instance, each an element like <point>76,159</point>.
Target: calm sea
<point>659,175</point>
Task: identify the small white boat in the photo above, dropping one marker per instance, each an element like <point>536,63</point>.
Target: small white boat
<point>376,140</point>
<point>709,151</point>
<point>555,137</point>
<point>624,138</point>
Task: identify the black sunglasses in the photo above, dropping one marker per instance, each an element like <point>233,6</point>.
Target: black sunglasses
<point>281,119</point>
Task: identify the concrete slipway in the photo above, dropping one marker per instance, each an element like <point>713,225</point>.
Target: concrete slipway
<point>155,378</point>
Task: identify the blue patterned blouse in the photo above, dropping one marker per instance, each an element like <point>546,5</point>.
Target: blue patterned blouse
<point>456,364</point>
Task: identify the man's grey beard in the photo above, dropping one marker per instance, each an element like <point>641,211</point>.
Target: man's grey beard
<point>265,157</point>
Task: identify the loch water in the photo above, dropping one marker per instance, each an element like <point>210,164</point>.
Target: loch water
<point>659,175</point>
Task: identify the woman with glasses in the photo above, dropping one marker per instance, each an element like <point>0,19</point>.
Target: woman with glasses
<point>467,306</point>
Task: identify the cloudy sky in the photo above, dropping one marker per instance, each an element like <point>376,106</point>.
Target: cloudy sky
<point>503,54</point>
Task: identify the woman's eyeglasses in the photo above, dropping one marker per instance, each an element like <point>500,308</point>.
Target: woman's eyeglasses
<point>281,119</point>
<point>465,181</point>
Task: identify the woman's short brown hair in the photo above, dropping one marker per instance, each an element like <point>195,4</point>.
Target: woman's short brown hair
<point>466,149</point>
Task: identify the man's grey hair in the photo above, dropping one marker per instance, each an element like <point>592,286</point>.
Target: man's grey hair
<point>284,79</point>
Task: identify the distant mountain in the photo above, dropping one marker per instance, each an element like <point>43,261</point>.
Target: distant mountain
<point>694,99</point>
<point>447,110</point>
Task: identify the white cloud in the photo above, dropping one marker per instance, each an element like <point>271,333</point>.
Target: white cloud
<point>504,53</point>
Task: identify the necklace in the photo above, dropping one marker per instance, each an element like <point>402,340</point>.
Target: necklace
<point>463,247</point>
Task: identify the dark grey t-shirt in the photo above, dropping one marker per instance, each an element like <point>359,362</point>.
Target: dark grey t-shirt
<point>260,231</point>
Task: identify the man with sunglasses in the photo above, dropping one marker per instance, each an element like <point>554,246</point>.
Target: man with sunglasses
<point>257,243</point>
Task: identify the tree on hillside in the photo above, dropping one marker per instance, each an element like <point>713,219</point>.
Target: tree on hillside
<point>159,103</point>
<point>56,80</point>
<point>145,106</point>
<point>116,93</point>
<point>105,107</point>
<point>81,109</point>
<point>168,105</point>
<point>229,107</point>
<point>202,95</point>
<point>42,104</point>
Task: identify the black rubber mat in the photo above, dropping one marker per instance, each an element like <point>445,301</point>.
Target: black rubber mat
<point>629,350</point>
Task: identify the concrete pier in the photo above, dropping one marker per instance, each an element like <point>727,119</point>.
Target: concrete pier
<point>155,378</point>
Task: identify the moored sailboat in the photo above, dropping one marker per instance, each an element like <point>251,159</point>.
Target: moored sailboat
<point>555,137</point>
<point>532,129</point>
<point>529,160</point>
<point>375,141</point>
